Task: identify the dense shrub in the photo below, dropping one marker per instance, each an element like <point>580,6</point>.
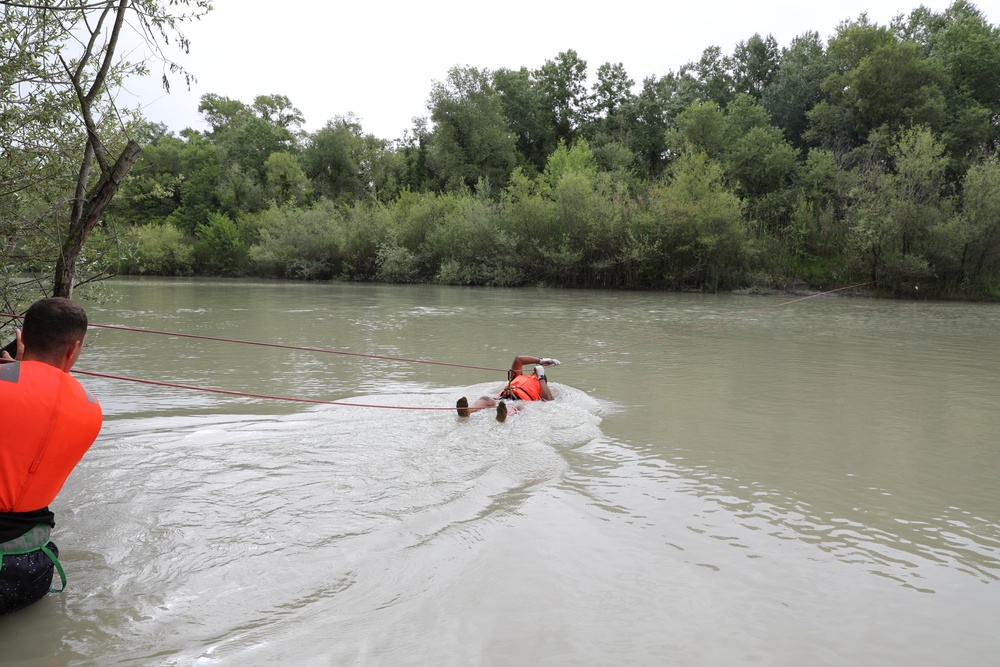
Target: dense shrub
<point>296,243</point>
<point>161,250</point>
<point>220,249</point>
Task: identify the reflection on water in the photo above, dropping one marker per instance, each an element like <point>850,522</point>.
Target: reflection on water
<point>813,484</point>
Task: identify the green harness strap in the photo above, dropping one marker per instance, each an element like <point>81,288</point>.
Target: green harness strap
<point>35,539</point>
<point>59,569</point>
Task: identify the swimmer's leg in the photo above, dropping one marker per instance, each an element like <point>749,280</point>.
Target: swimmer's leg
<point>464,409</point>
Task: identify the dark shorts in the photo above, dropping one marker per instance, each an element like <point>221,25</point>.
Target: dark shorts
<point>25,578</point>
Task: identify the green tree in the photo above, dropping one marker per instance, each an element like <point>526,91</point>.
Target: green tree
<point>240,191</point>
<point>284,180</point>
<point>383,168</point>
<point>612,100</point>
<point>524,106</point>
<point>898,211</point>
<point>414,148</point>
<point>695,222</point>
<point>300,243</point>
<point>330,162</point>
<point>647,138</point>
<point>200,178</point>
<point>872,235</point>
<point>615,118</point>
<point>161,250</point>
<point>713,72</point>
<point>221,247</point>
<point>563,82</point>
<point>60,72</point>
<point>474,249</point>
<point>980,223</point>
<point>918,184</point>
<point>471,143</point>
<point>246,136</point>
<point>883,81</point>
<point>755,63</point>
<point>796,86</point>
<point>152,191</point>
<point>760,165</point>
<point>227,170</point>
<point>565,161</point>
<point>279,111</point>
<point>964,42</point>
<point>757,160</point>
<point>345,164</point>
<point>249,140</point>
<point>968,49</point>
<point>826,193</point>
<point>221,112</point>
<point>701,126</point>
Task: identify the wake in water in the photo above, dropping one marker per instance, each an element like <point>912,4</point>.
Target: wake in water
<point>288,516</point>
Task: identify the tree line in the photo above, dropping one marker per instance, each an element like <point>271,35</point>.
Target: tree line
<point>869,156</point>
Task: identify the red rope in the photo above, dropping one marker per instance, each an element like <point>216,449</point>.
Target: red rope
<point>278,345</point>
<point>295,347</point>
<point>375,356</point>
<point>249,395</point>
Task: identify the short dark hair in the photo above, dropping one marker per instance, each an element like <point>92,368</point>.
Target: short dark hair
<point>53,323</point>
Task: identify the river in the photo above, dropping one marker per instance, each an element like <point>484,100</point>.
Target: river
<point>721,480</point>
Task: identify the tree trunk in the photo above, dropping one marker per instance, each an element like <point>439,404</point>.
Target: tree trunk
<point>85,218</point>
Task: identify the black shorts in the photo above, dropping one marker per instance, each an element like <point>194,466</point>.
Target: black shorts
<point>25,578</point>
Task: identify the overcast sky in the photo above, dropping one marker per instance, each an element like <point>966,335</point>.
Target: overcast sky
<point>378,59</point>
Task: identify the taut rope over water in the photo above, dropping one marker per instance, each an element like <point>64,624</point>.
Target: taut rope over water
<point>229,392</point>
<point>387,358</point>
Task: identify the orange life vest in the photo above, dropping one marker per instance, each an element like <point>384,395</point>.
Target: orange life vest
<point>50,421</point>
<point>523,388</point>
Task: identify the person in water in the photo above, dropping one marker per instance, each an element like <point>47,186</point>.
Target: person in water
<point>520,387</point>
<point>50,423</point>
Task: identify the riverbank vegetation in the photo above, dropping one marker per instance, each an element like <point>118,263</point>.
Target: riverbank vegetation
<point>867,157</point>
<point>66,145</point>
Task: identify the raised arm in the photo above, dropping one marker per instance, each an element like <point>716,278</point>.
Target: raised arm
<point>522,359</point>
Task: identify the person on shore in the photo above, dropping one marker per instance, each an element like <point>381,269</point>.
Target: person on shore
<point>520,387</point>
<point>50,421</point>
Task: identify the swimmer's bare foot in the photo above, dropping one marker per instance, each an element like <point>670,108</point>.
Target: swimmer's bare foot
<point>462,406</point>
<point>501,411</point>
